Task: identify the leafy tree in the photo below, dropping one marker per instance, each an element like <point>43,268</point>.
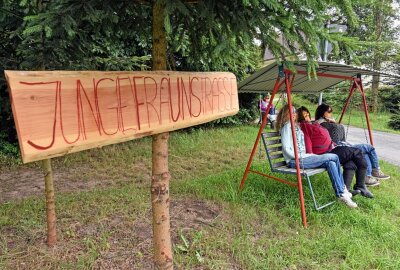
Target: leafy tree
<point>378,32</point>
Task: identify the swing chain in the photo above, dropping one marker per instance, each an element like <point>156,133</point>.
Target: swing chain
<point>363,124</point>
<point>348,121</point>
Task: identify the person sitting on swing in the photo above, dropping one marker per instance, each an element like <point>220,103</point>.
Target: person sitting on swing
<point>263,108</point>
<point>323,115</point>
<point>308,161</point>
<point>318,141</point>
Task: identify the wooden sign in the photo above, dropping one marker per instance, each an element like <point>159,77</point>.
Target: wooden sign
<point>59,112</point>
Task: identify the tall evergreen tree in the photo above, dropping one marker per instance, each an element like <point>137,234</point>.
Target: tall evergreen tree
<point>380,34</point>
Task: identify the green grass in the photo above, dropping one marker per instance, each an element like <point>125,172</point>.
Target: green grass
<point>264,230</point>
<point>259,228</point>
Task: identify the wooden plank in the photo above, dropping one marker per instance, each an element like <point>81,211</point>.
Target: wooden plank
<point>279,164</point>
<point>271,134</point>
<point>59,112</point>
<point>274,149</point>
<point>276,156</point>
<point>271,142</point>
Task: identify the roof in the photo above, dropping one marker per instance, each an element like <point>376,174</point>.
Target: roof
<point>264,79</point>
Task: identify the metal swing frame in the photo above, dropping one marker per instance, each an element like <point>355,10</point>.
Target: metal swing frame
<point>286,77</point>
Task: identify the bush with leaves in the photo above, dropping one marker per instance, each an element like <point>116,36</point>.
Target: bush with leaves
<point>390,99</point>
<point>7,148</point>
<point>394,122</point>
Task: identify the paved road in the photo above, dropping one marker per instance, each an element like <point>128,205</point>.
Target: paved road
<point>387,145</point>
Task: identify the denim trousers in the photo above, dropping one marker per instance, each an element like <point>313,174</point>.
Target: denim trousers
<point>370,156</point>
<point>328,161</point>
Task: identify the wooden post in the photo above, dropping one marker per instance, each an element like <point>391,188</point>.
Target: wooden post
<point>160,174</point>
<point>48,176</point>
<point>50,203</point>
<point>160,203</point>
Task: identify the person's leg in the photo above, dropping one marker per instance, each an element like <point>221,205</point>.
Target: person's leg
<point>361,173</point>
<point>353,159</point>
<point>370,156</point>
<point>328,161</point>
<point>373,170</point>
<point>271,120</point>
<point>348,176</point>
<point>261,118</point>
<point>345,155</point>
<point>334,171</point>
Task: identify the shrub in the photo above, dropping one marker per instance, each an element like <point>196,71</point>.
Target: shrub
<point>394,122</point>
<point>311,97</point>
<point>7,148</point>
<point>390,99</point>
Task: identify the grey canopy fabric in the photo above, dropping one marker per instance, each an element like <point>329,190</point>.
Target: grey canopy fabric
<point>264,79</point>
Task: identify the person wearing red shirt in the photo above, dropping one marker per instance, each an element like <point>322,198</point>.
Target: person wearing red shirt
<point>318,141</point>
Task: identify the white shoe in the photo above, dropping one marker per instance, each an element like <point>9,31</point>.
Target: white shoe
<point>346,191</point>
<point>347,200</point>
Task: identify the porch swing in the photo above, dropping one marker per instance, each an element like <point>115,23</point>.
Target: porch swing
<point>275,77</point>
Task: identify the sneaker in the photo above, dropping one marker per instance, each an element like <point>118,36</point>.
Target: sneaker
<point>364,192</point>
<point>347,200</point>
<point>346,191</point>
<point>355,192</point>
<point>377,173</point>
<point>371,181</point>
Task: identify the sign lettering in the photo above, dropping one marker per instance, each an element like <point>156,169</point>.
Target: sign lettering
<point>58,112</point>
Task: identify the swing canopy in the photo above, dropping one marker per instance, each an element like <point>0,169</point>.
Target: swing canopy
<point>329,75</point>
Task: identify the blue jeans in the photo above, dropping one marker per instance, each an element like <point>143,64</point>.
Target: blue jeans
<point>370,156</point>
<point>328,161</point>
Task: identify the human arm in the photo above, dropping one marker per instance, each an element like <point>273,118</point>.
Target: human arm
<point>307,138</point>
<point>287,142</point>
<point>308,143</point>
<point>336,131</point>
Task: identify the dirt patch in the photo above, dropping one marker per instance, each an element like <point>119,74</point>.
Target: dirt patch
<point>114,242</point>
<point>187,216</point>
<point>28,182</point>
<point>20,184</point>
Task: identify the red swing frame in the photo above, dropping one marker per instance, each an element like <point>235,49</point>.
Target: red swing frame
<point>287,77</point>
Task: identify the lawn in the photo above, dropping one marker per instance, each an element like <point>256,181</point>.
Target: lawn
<point>104,215</point>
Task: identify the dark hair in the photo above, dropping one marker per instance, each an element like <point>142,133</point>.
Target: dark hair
<point>300,117</point>
<point>321,109</point>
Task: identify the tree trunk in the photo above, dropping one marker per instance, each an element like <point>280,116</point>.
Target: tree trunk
<point>160,175</point>
<point>50,203</point>
<point>48,172</point>
<point>377,60</point>
<point>375,91</point>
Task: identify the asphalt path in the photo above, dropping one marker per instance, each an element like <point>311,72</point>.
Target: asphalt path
<point>387,145</point>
